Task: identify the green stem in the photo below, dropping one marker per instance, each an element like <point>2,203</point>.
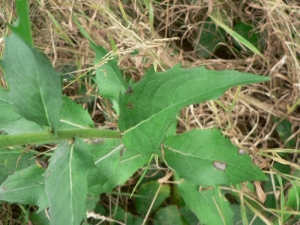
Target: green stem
<point>47,137</point>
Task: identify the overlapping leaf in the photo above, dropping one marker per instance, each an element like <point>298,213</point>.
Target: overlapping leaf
<point>128,163</point>
<point>10,121</point>
<point>148,108</point>
<point>108,76</point>
<point>34,86</point>
<point>73,116</point>
<point>66,182</point>
<point>107,157</point>
<point>205,157</point>
<point>14,160</point>
<point>210,206</point>
<point>25,186</point>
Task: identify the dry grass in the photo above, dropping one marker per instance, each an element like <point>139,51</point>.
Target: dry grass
<point>125,28</point>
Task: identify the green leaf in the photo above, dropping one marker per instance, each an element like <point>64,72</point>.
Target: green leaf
<point>10,121</point>
<point>148,190</point>
<point>250,216</point>
<point>129,164</point>
<point>25,186</point>
<point>66,182</point>
<point>21,26</point>
<point>107,157</point>
<point>284,130</point>
<point>209,206</point>
<point>147,111</point>
<point>188,217</point>
<point>168,216</point>
<point>205,157</point>
<point>246,31</point>
<point>14,160</point>
<point>34,86</point>
<point>73,116</point>
<point>210,39</point>
<point>236,36</point>
<point>108,76</point>
<point>39,218</point>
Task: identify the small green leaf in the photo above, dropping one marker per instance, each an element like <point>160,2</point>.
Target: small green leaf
<point>129,164</point>
<point>205,157</point>
<point>250,217</point>
<point>107,156</point>
<point>66,182</point>
<point>148,190</point>
<point>241,40</point>
<point>10,121</point>
<point>210,38</point>
<point>168,216</point>
<point>246,31</point>
<point>25,186</point>
<point>14,160</point>
<point>209,206</point>
<point>108,76</point>
<point>21,26</point>
<point>34,86</point>
<point>73,116</point>
<point>39,218</point>
<point>284,129</point>
<point>146,113</point>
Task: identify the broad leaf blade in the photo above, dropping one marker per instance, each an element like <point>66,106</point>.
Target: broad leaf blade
<point>197,155</point>
<point>66,183</point>
<point>22,25</point>
<point>147,111</point>
<point>10,121</point>
<point>210,206</point>
<point>34,86</point>
<point>26,186</point>
<point>74,116</point>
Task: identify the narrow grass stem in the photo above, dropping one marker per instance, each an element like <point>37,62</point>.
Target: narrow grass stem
<point>48,137</point>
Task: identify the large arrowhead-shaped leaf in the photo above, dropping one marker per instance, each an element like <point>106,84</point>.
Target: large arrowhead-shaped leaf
<point>34,86</point>
<point>148,108</point>
<point>210,206</point>
<point>10,121</point>
<point>26,186</point>
<point>205,157</point>
<point>66,182</point>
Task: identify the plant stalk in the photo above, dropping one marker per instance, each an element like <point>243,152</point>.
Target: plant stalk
<point>48,137</point>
